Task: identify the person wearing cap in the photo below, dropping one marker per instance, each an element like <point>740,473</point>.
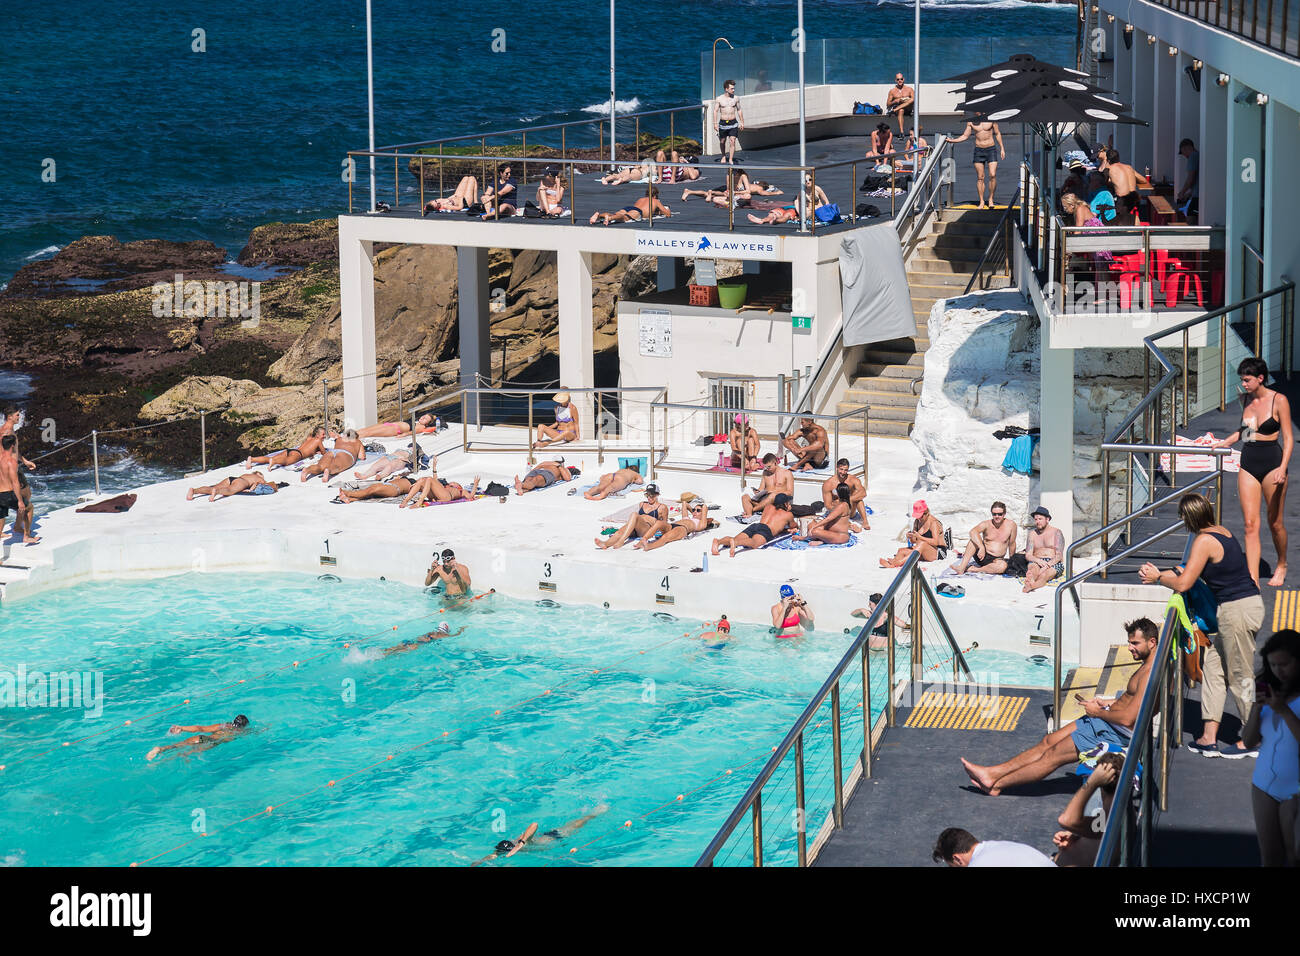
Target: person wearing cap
<point>717,638</point>
<point>530,837</point>
<point>694,521</point>
<point>791,615</point>
<point>615,482</point>
<point>544,475</point>
<point>443,630</point>
<point>991,543</point>
<point>776,521</point>
<point>206,736</point>
<point>649,513</point>
<point>777,480</point>
<point>926,537</point>
<point>857,493</point>
<point>812,453</point>
<point>743,434</point>
<point>453,575</point>
<point>1077,180</point>
<point>1044,551</point>
<point>566,422</point>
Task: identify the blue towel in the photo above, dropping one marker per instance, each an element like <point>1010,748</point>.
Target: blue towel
<point>1020,454</point>
<point>789,544</point>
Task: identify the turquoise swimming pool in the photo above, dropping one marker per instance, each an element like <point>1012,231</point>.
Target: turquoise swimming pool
<point>612,713</point>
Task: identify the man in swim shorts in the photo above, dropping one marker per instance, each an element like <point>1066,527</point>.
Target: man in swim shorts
<point>614,482</point>
<point>777,480</point>
<point>205,736</point>
<point>337,456</point>
<point>253,482</point>
<point>311,445</point>
<point>1044,551</point>
<point>730,121</point>
<point>809,444</point>
<point>1105,721</point>
<point>443,630</point>
<point>988,151</point>
<point>791,615</point>
<point>544,475</point>
<point>991,543</point>
<point>13,418</point>
<point>857,493</point>
<point>649,513</point>
<point>776,521</point>
<point>453,575</point>
<point>530,838</point>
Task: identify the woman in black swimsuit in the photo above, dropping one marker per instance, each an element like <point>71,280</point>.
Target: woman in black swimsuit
<point>1265,456</point>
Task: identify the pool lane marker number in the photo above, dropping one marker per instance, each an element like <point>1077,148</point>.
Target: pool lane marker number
<point>546,573</point>
<point>665,598</point>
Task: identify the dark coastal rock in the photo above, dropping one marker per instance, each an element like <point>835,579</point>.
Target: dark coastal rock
<point>101,264</point>
<point>292,244</point>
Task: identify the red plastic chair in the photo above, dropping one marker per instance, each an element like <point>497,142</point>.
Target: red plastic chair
<point>1182,282</point>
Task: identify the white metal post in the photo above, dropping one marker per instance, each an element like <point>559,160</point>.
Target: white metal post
<point>370,94</point>
<point>804,212</point>
<point>916,66</point>
<point>612,101</point>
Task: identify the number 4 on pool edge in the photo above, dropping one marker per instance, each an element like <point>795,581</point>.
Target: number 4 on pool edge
<point>664,583</point>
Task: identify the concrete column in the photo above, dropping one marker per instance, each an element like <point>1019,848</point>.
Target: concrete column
<point>1122,70</point>
<point>1143,58</point>
<point>1213,145</point>
<point>672,272</point>
<point>475,322</point>
<point>1243,184</point>
<point>1164,120</point>
<point>576,365</point>
<point>1056,447</point>
<point>357,308</point>
<point>1281,199</point>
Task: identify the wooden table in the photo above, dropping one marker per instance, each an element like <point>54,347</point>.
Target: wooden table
<point>1162,211</point>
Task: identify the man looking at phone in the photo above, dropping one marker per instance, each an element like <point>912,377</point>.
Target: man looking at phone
<point>1108,722</point>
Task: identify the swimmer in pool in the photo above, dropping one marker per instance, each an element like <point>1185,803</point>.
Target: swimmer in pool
<point>530,837</point>
<point>453,575</point>
<point>253,482</point>
<point>719,636</point>
<point>444,630</point>
<point>791,615</point>
<point>205,736</point>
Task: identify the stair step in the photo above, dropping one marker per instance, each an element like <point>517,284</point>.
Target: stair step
<point>928,254</point>
<point>877,428</point>
<point>942,240</point>
<point>879,413</point>
<point>960,267</point>
<point>885,384</point>
<point>890,357</point>
<point>872,370</point>
<point>983,229</point>
<point>954,215</point>
<point>869,395</point>
<point>936,280</point>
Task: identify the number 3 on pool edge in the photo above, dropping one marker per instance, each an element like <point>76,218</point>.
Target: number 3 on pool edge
<point>664,583</point>
<point>547,567</point>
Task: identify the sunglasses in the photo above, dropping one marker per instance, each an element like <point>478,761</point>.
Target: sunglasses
<point>998,514</point>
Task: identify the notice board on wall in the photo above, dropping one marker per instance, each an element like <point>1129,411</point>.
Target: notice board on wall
<point>655,333</point>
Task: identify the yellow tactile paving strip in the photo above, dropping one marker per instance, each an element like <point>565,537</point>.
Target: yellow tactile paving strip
<point>951,711</point>
<point>1286,608</point>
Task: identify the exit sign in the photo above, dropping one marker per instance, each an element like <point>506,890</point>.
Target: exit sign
<point>801,323</point>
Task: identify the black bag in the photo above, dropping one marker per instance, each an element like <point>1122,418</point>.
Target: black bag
<point>867,211</point>
<point>495,489</point>
<point>477,209</point>
<point>1018,565</point>
<point>532,211</point>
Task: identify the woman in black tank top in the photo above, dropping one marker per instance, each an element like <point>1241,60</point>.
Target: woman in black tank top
<point>1265,457</point>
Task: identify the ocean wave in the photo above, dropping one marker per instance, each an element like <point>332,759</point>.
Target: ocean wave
<point>42,253</point>
<point>620,106</point>
<point>980,4</point>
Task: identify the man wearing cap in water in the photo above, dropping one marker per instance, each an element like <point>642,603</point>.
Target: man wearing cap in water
<point>748,439</point>
<point>443,630</point>
<point>453,575</point>
<point>566,422</point>
<point>776,521</point>
<point>648,514</point>
<point>777,480</point>
<point>530,838</point>
<point>1044,551</point>
<point>205,735</point>
<point>926,537</point>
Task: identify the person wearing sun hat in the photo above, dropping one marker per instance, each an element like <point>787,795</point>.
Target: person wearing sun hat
<point>926,537</point>
<point>566,422</point>
<point>743,433</point>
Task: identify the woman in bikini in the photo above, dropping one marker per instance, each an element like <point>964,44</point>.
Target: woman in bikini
<point>697,520</point>
<point>1265,457</point>
<point>926,537</point>
<point>466,195</point>
<point>791,615</point>
<point>642,173</point>
<point>813,196</point>
<point>550,194</point>
<point>433,488</point>
<point>337,456</point>
<point>291,456</point>
<point>834,528</point>
<point>566,422</point>
<point>648,514</point>
<point>423,424</point>
<point>253,481</point>
<point>677,174</point>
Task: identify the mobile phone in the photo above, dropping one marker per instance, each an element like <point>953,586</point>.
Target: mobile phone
<point>1079,698</point>
<point>1262,688</point>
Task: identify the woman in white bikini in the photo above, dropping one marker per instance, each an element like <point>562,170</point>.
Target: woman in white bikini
<point>566,422</point>
<point>695,521</point>
<point>550,194</point>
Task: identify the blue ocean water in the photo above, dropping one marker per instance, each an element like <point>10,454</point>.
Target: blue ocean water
<point>150,139</point>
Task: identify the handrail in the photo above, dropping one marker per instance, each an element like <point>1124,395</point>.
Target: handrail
<point>1115,839</point>
<point>999,234</point>
<point>884,607</point>
<point>858,653</point>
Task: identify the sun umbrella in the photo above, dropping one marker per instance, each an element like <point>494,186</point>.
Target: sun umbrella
<point>1020,64</point>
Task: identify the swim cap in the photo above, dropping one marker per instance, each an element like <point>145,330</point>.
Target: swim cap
<point>448,554</point>
<point>505,846</point>
<point>787,591</point>
<point>444,628</point>
<point>724,624</point>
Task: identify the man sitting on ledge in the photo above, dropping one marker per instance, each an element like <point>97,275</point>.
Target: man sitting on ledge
<point>1108,722</point>
<point>809,443</point>
<point>991,543</point>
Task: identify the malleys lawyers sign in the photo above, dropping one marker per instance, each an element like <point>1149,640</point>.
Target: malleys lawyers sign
<point>713,245</point>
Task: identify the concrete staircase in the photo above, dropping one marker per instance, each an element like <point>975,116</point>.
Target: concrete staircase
<point>889,377</point>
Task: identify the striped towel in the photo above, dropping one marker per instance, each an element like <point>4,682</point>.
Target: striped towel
<point>1194,462</point>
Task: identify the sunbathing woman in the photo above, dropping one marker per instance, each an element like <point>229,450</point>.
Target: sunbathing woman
<point>834,528</point>
<point>614,482</point>
<point>385,466</point>
<point>423,425</point>
<point>696,520</point>
<point>641,173</point>
<point>388,488</point>
<point>566,422</point>
<point>251,482</point>
<point>742,190</point>
<point>677,174</point>
<point>433,488</point>
<point>466,195</point>
<point>291,456</point>
<point>639,210</point>
<point>550,194</point>
<point>338,455</point>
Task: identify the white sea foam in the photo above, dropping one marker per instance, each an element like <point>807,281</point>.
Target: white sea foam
<point>360,655</point>
<point>620,106</point>
<point>42,253</point>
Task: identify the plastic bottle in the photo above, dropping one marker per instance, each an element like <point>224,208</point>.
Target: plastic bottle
<point>704,562</point>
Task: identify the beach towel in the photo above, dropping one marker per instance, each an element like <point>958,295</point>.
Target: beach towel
<point>613,494</point>
<point>1020,454</point>
<point>1193,462</point>
<point>787,544</point>
<point>109,506</point>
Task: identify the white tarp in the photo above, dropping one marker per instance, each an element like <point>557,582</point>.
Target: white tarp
<point>877,304</point>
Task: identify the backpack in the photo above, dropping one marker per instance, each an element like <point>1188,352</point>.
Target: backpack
<point>829,213</point>
<point>866,109</point>
<point>867,211</point>
<point>495,489</point>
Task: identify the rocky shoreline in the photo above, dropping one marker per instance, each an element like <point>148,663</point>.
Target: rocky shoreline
<point>116,335</point>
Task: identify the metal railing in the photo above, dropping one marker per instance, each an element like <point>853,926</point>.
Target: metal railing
<point>818,737</point>
<point>1126,840</point>
<point>1272,23</point>
<point>833,455</point>
<point>1138,268</point>
<point>474,403</point>
<point>997,252</point>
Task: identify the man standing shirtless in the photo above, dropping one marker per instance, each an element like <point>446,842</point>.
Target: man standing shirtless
<point>776,480</point>
<point>813,452</point>
<point>991,543</point>
<point>857,490</point>
<point>987,154</point>
<point>1044,551</point>
<point>1123,177</point>
<point>13,418</point>
<point>9,483</point>
<point>730,120</point>
<point>900,100</point>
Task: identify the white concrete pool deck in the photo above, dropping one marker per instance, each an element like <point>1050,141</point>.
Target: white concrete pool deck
<point>539,545</point>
